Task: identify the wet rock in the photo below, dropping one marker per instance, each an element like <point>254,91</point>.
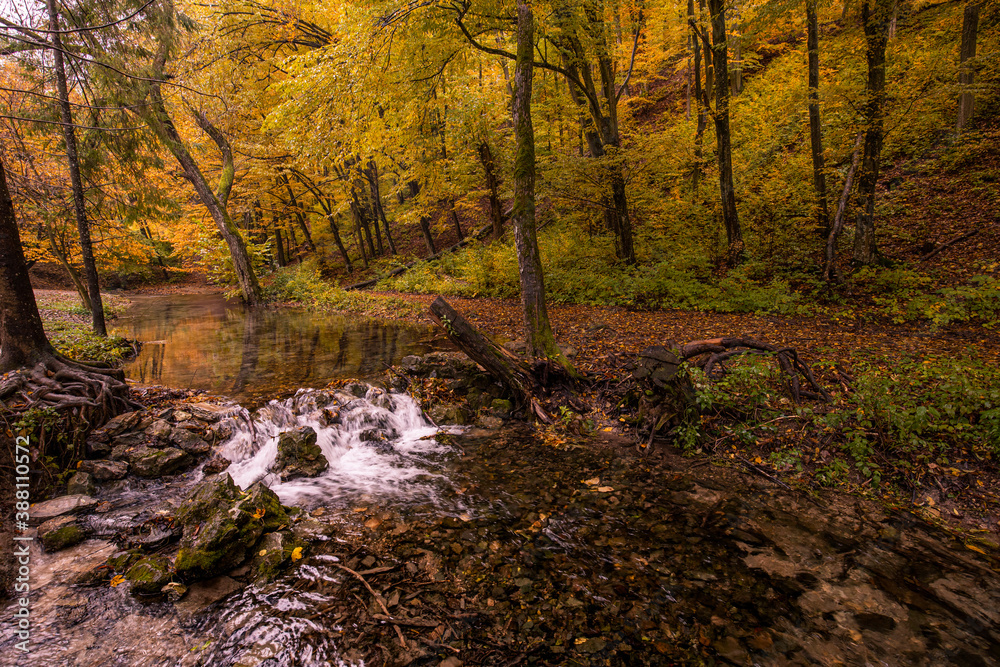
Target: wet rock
<point>121,561</point>
<point>181,416</point>
<point>174,591</point>
<point>730,649</point>
<point>202,594</point>
<point>60,532</point>
<point>273,551</point>
<point>221,523</point>
<point>448,365</point>
<point>160,429</point>
<point>221,431</point>
<point>357,389</point>
<point>104,471</point>
<point>311,530</point>
<point>149,574</point>
<point>98,449</point>
<point>216,464</point>
<point>81,483</point>
<point>448,413</point>
<point>189,442</point>
<point>377,439</point>
<point>73,504</point>
<point>125,444</point>
<point>299,455</point>
<point>148,462</point>
<point>128,421</point>
<point>207,412</point>
<point>488,422</point>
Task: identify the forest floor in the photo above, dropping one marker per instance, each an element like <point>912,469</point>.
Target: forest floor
<point>956,487</point>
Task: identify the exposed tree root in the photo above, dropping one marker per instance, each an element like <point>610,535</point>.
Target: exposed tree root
<point>708,354</point>
<point>93,394</point>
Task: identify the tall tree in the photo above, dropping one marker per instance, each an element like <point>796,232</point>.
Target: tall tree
<point>153,110</point>
<point>72,157</point>
<point>875,18</point>
<point>967,51</point>
<point>815,127</point>
<point>538,331</point>
<point>42,376</point>
<point>723,136</point>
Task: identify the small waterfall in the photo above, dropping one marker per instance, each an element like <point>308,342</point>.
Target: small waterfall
<point>376,442</point>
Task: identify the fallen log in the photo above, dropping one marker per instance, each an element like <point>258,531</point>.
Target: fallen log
<point>511,371</point>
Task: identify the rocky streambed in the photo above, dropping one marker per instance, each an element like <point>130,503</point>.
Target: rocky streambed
<point>340,527</point>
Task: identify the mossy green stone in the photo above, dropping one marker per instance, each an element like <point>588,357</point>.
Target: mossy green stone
<point>149,574</point>
<point>64,537</point>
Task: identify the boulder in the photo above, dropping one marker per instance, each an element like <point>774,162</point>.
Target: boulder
<point>81,483</point>
<point>128,421</point>
<point>121,561</point>
<point>60,532</point>
<point>149,574</point>
<point>126,443</point>
<point>448,413</point>
<point>103,471</point>
<point>299,455</point>
<point>207,412</point>
<point>174,591</point>
<point>49,509</point>
<point>221,523</point>
<point>148,462</point>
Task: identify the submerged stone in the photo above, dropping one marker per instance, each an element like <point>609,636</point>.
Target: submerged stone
<point>60,532</point>
<point>189,442</point>
<point>273,551</point>
<point>299,455</point>
<point>174,591</point>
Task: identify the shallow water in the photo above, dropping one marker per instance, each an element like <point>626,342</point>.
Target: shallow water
<point>203,341</point>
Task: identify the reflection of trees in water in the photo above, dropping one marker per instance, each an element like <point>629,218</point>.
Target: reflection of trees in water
<point>251,349</point>
<point>264,353</point>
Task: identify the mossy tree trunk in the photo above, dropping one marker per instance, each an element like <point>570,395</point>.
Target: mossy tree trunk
<point>967,51</point>
<point>875,17</point>
<point>538,331</point>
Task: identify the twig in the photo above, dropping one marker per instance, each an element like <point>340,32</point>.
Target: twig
<point>945,246</point>
<point>752,468</point>
<point>378,599</point>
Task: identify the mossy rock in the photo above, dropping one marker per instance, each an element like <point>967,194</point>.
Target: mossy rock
<point>299,455</point>
<point>123,560</point>
<point>60,532</point>
<point>272,552</point>
<point>221,523</point>
<point>149,574</point>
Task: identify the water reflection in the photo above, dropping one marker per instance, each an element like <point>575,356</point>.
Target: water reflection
<point>203,341</point>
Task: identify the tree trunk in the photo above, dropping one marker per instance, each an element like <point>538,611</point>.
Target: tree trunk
<point>297,212</point>
<point>454,220</point>
<point>22,337</point>
<point>830,269</point>
<point>425,227</point>
<point>379,209</point>
<point>966,74</point>
<point>493,185</point>
<point>279,245</point>
<point>538,332</point>
<point>875,16</point>
<point>734,235</point>
<point>163,125</point>
<point>699,103</point>
<point>79,203</point>
<point>815,128</point>
<point>335,230</point>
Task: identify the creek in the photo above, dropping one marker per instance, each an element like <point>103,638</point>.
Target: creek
<point>509,546</point>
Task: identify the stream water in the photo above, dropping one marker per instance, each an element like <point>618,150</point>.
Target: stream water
<point>203,341</point>
<point>509,546</point>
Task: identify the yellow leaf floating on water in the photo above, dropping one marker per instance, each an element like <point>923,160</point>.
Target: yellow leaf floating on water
<point>117,579</point>
<point>296,554</point>
<point>259,514</point>
<point>580,640</point>
<point>605,489</point>
<point>263,552</point>
<point>973,547</point>
<point>592,482</point>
